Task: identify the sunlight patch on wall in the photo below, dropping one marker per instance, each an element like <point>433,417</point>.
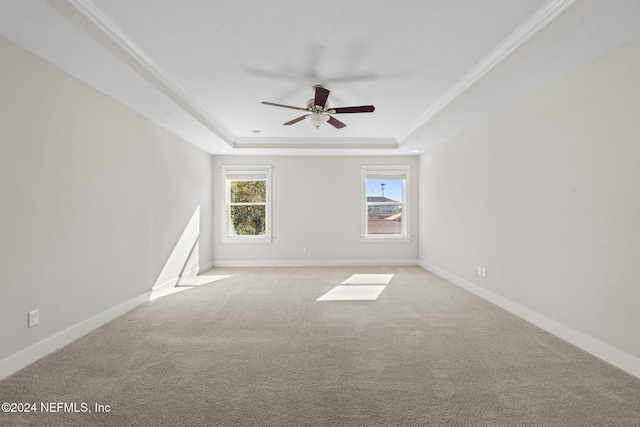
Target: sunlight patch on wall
<point>183,260</point>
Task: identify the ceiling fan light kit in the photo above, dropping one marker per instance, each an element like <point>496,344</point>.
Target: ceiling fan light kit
<point>319,112</point>
<point>317,119</point>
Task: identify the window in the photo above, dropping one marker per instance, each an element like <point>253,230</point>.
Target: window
<point>246,211</point>
<point>385,203</point>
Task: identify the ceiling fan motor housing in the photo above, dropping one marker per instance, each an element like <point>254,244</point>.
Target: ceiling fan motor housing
<point>316,108</point>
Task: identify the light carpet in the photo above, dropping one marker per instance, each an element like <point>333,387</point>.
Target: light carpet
<point>257,349</point>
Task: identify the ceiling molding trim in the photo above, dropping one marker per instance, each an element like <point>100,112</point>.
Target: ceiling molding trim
<point>543,17</point>
<point>104,31</point>
<point>317,143</point>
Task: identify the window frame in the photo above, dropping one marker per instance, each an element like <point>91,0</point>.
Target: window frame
<point>253,173</point>
<point>392,171</point>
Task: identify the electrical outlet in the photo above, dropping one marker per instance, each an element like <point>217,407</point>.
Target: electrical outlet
<point>304,250</point>
<point>479,271</point>
<point>34,318</point>
<point>484,272</point>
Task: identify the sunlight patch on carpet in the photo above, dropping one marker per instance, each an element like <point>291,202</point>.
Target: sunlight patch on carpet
<point>368,279</point>
<point>203,280</point>
<point>352,293</point>
<point>163,292</point>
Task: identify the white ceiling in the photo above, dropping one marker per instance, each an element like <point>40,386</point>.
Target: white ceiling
<point>432,68</point>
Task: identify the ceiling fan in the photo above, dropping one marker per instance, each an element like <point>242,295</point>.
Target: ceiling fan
<point>318,111</point>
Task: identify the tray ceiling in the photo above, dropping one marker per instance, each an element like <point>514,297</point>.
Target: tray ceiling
<point>431,68</point>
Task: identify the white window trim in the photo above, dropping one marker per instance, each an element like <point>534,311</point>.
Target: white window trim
<point>258,170</point>
<point>390,170</point>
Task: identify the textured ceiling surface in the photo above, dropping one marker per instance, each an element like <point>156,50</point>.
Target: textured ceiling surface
<point>431,68</point>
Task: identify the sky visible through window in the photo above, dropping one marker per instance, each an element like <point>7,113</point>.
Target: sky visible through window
<point>392,188</point>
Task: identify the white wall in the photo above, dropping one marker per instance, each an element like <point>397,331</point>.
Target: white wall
<point>316,204</point>
<point>546,196</point>
<point>93,196</point>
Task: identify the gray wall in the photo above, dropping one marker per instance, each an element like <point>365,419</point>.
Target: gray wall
<point>546,196</point>
<point>302,188</point>
<point>93,197</point>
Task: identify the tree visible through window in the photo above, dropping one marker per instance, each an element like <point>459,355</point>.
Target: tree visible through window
<point>246,207</point>
<point>248,201</point>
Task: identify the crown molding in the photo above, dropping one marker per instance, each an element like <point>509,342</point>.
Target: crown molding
<point>317,143</point>
<point>97,25</point>
<point>532,26</point>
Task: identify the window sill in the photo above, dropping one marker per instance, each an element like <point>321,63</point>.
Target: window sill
<point>261,239</point>
<point>385,239</point>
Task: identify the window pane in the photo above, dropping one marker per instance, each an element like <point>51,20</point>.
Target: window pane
<point>248,191</point>
<point>384,210</point>
<point>248,221</point>
<point>384,219</point>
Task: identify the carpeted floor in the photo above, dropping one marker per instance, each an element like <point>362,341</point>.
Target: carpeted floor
<point>257,349</point>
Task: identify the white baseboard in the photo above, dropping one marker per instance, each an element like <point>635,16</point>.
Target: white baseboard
<point>168,284</point>
<point>205,267</point>
<point>597,348</point>
<point>164,288</point>
<point>318,263</point>
<point>191,273</point>
<point>175,280</point>
<point>37,351</point>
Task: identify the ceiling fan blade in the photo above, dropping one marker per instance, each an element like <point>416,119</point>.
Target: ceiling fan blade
<point>336,123</point>
<point>295,120</point>
<point>321,97</point>
<point>284,106</point>
<point>361,109</point>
